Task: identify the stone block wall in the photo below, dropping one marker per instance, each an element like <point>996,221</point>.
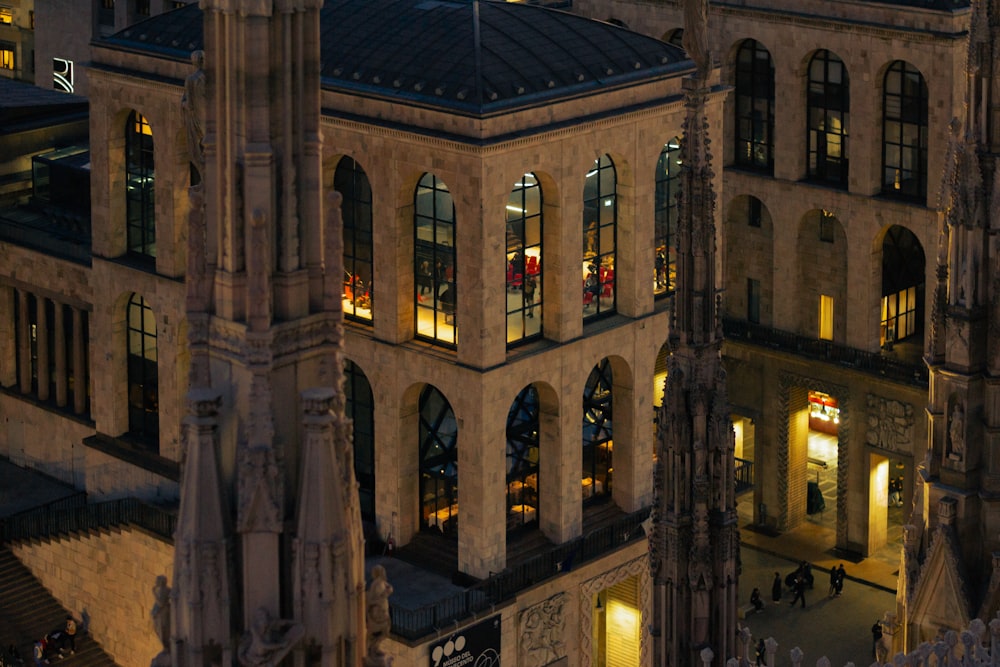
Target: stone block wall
<point>107,580</point>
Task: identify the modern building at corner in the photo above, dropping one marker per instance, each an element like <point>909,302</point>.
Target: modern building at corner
<point>835,148</point>
<point>508,176</point>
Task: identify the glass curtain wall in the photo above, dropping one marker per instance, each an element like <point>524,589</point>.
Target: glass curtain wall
<point>438,463</point>
<point>522,460</point>
<point>598,440</point>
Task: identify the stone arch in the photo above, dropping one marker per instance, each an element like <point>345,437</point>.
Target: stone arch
<point>900,271</point>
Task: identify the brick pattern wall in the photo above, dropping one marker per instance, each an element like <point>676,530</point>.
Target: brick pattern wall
<point>107,580</point>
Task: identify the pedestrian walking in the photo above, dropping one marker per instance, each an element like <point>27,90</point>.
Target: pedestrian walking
<point>776,589</point>
<point>833,582</point>
<point>800,591</point>
<point>761,651</point>
<point>876,638</point>
<point>841,575</point>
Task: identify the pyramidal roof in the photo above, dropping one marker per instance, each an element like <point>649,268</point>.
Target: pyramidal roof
<point>470,56</point>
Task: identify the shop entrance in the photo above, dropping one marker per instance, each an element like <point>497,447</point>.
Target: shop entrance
<point>821,459</point>
<point>617,625</point>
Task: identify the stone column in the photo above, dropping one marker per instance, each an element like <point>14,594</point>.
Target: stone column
<point>60,342</point>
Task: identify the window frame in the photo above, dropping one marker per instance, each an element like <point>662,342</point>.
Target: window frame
<point>827,100</point>
<point>441,254</point>
<point>524,229</point>
<point>754,75</point>
<point>912,119</point>
<point>351,181</point>
<point>142,371</point>
<point>666,215</point>
<point>140,200</point>
<point>600,238</point>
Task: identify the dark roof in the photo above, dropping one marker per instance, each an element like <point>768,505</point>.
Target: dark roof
<point>24,105</point>
<point>465,55</point>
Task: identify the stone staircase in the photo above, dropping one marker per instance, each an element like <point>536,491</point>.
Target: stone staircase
<point>28,611</point>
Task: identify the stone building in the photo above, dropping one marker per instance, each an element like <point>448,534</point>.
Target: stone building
<point>509,216</point>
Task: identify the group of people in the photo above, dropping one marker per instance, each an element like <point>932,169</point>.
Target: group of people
<point>56,644</point>
<point>837,575</point>
<point>896,492</point>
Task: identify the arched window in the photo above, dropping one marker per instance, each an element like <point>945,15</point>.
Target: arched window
<point>524,260</point>
<point>668,168</point>
<point>360,408</point>
<point>904,132</point>
<point>435,278</point>
<point>522,460</point>
<point>438,462</point>
<point>140,207</point>
<point>828,112</point>
<point>600,225</point>
<point>903,271</point>
<point>598,440</point>
<point>754,107</point>
<point>143,383</point>
<point>350,180</point>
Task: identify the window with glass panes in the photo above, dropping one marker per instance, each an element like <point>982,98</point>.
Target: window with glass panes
<point>143,378</point>
<point>754,92</point>
<point>598,439</point>
<point>668,169</point>
<point>438,463</point>
<point>139,187</point>
<point>600,229</point>
<point>828,116</point>
<point>360,408</point>
<point>904,132</point>
<point>435,275</point>
<point>522,460</point>
<point>351,182</point>
<point>524,260</point>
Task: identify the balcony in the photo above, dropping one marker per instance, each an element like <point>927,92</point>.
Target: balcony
<point>891,368</point>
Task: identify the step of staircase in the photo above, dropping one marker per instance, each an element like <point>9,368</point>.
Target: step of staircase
<point>28,612</point>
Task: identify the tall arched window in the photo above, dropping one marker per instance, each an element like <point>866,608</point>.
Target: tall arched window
<point>438,462</point>
<point>522,460</point>
<point>668,168</point>
<point>143,382</point>
<point>600,228</point>
<point>524,260</point>
<point>598,439</point>
<point>904,132</point>
<point>360,408</point>
<point>435,278</point>
<point>139,187</point>
<point>350,180</point>
<point>754,107</point>
<point>829,103</point>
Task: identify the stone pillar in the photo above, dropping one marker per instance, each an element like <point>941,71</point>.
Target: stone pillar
<point>60,342</point>
<point>482,510</point>
<point>80,376</point>
<point>558,478</point>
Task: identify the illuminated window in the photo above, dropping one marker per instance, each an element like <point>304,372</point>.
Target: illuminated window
<point>143,382</point>
<point>825,317</point>
<point>139,187</point>
<point>828,118</point>
<point>600,230</point>
<point>904,132</point>
<point>435,277</point>
<point>524,260</point>
<point>438,463</point>
<point>754,107</point>
<point>6,16</point>
<point>351,181</point>
<point>668,168</point>
<point>522,460</point>
<point>6,55</point>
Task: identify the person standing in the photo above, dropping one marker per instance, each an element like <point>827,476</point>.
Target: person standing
<point>833,582</point>
<point>71,634</point>
<point>755,600</point>
<point>841,575</point>
<point>528,287</point>
<point>761,653</point>
<point>38,653</point>
<point>800,591</point>
<point>776,588</point>
<point>876,638</point>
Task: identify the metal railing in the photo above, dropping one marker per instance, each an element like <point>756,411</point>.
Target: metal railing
<point>824,350</point>
<point>68,516</point>
<point>744,475</point>
<point>415,624</point>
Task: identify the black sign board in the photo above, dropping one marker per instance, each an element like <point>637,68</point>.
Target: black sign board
<point>475,646</point>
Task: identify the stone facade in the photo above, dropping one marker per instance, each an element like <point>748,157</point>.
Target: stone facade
<point>106,579</point>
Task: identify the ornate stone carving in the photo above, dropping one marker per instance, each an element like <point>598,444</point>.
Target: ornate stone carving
<point>161,619</point>
<point>193,105</point>
<point>377,618</point>
<point>695,37</point>
<point>542,628</point>
<point>268,640</point>
<point>890,424</point>
<point>956,432</point>
<point>638,567</point>
<point>260,491</point>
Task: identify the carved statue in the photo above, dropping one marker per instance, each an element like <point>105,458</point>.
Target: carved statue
<point>268,640</point>
<point>695,37</point>
<point>193,105</point>
<point>378,621</point>
<point>956,432</point>
<point>161,611</point>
